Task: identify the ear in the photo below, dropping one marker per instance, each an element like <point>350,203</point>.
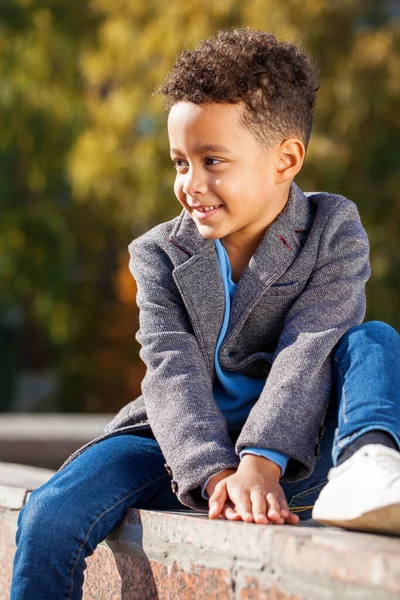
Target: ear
<point>290,159</point>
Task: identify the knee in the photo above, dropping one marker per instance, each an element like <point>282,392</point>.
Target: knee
<point>379,330</point>
<point>42,516</point>
<point>376,332</point>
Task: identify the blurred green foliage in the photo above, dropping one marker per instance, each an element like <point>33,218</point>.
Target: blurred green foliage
<point>84,161</point>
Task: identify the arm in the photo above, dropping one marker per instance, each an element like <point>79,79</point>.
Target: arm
<point>177,387</point>
<point>276,457</point>
<point>290,411</point>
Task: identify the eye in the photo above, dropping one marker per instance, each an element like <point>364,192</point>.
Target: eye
<point>210,162</point>
<point>179,164</point>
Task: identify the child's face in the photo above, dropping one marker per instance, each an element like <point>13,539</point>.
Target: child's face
<point>220,163</point>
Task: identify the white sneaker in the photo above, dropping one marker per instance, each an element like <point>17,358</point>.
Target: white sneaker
<point>363,493</point>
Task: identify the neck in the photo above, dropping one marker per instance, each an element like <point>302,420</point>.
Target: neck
<point>248,240</point>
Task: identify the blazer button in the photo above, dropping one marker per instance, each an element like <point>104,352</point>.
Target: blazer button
<point>168,469</point>
<point>174,486</point>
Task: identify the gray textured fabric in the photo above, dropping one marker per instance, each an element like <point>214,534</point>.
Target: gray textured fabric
<point>302,290</point>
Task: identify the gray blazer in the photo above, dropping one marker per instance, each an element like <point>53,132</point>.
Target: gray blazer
<point>302,290</point>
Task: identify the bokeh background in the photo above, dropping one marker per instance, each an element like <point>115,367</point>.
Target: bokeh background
<point>84,168</point>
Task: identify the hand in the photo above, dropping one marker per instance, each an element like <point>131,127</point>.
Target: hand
<point>252,494</point>
<point>217,478</point>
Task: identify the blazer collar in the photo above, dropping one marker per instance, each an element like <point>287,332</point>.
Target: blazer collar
<point>297,216</point>
<point>199,278</point>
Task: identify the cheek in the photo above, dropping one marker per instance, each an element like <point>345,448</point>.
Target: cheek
<point>178,185</point>
<point>224,188</point>
<point>228,189</point>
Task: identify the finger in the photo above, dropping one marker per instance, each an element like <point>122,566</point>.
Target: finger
<point>274,509</point>
<point>230,513</point>
<point>292,519</point>
<point>259,506</point>
<point>286,513</point>
<point>284,509</point>
<point>217,500</point>
<point>243,506</point>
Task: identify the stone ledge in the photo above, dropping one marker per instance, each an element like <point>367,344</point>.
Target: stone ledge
<point>185,556</point>
<point>17,481</point>
<point>239,561</point>
<point>46,439</point>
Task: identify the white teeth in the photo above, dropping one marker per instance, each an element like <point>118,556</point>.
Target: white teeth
<point>209,208</point>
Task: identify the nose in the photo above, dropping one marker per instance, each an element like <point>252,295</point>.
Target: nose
<point>194,183</point>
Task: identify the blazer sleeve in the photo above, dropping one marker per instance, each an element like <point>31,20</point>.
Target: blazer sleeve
<point>177,387</point>
<point>289,414</point>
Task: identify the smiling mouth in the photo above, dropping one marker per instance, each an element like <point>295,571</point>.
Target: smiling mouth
<point>206,208</point>
<point>205,212</point>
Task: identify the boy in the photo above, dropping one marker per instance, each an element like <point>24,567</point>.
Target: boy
<point>250,308</point>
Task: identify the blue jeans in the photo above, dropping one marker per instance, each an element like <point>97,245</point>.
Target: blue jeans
<point>80,505</point>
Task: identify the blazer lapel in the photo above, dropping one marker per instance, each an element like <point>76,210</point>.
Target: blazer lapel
<point>199,281</point>
<point>199,278</point>
<point>277,250</point>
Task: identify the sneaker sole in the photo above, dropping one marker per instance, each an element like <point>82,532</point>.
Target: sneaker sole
<point>385,519</point>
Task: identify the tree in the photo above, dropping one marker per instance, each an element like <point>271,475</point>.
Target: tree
<point>84,161</point>
<point>121,158</point>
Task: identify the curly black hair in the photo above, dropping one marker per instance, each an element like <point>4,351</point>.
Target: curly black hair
<point>274,80</point>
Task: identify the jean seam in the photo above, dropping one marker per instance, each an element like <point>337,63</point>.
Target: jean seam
<point>344,403</point>
<point>304,493</point>
<point>342,443</point>
<point>98,519</point>
<point>296,509</point>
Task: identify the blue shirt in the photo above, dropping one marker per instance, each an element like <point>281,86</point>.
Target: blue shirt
<point>236,393</point>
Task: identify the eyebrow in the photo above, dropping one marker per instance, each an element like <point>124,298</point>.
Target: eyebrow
<point>207,148</point>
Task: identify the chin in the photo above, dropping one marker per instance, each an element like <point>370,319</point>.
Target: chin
<point>209,235</point>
